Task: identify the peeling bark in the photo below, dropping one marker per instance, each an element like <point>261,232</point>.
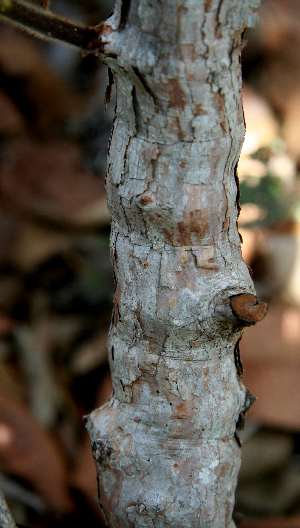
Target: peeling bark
<point>165,445</point>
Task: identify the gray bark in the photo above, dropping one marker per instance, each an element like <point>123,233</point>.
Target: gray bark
<point>6,520</point>
<point>165,444</point>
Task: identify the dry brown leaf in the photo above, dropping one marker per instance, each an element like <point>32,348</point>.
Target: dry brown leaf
<point>46,100</point>
<point>29,451</point>
<point>48,180</point>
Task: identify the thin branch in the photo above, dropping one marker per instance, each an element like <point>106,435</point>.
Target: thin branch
<point>47,25</point>
<point>6,520</point>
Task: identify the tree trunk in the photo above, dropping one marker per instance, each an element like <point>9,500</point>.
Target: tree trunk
<point>165,445</point>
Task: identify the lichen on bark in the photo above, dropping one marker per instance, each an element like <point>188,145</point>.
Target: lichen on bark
<point>165,445</point>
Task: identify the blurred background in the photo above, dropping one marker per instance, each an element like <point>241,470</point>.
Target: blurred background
<point>56,282</point>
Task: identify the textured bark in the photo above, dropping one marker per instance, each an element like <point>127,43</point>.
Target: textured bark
<point>165,445</point>
<point>6,520</point>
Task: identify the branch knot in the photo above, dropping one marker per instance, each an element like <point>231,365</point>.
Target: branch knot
<point>247,308</point>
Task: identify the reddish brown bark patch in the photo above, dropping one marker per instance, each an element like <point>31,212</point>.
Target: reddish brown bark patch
<point>116,301</point>
<point>199,110</point>
<point>207,5</point>
<point>145,200</point>
<point>192,223</point>
<point>184,410</point>
<point>176,95</point>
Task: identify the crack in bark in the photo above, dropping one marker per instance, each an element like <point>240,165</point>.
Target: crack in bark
<point>219,25</point>
<point>125,7</point>
<point>136,110</point>
<point>237,359</point>
<point>108,89</point>
<point>143,82</point>
<point>238,194</point>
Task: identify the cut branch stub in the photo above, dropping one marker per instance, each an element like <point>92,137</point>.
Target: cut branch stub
<point>247,308</point>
